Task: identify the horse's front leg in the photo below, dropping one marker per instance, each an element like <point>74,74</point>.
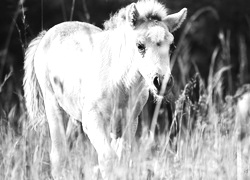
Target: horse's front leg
<point>122,145</point>
<point>57,133</point>
<point>97,130</point>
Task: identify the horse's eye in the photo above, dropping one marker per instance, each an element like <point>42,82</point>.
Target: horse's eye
<point>141,48</point>
<point>172,48</point>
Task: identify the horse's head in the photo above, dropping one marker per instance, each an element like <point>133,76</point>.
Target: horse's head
<point>152,29</point>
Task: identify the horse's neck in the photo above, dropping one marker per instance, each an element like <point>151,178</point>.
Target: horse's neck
<point>120,57</point>
<point>131,94</point>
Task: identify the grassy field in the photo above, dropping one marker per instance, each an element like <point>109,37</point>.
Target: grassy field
<point>216,147</point>
<point>211,139</point>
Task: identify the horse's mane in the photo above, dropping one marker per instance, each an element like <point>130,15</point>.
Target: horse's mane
<point>148,10</point>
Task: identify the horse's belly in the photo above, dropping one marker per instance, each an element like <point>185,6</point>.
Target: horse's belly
<point>69,100</point>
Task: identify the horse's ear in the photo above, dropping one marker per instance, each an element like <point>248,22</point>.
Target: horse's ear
<point>174,21</point>
<point>132,15</point>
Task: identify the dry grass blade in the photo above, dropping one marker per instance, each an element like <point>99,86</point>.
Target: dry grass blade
<point>5,79</point>
<point>72,10</point>
<point>243,60</point>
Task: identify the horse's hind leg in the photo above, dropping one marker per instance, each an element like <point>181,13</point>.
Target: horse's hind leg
<point>57,133</point>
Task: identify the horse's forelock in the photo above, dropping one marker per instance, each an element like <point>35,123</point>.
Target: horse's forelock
<point>151,10</point>
<point>148,10</point>
<point>156,34</point>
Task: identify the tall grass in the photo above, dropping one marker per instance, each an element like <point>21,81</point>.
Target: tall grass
<point>212,150</point>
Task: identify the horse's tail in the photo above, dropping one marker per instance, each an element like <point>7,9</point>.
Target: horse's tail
<point>32,90</point>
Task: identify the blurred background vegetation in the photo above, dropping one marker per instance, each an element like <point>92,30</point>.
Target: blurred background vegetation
<point>216,34</point>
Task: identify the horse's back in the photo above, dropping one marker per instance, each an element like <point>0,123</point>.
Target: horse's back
<point>63,54</point>
<point>66,32</point>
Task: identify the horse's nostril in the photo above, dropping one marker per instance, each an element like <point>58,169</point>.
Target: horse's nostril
<point>157,83</point>
<point>170,83</point>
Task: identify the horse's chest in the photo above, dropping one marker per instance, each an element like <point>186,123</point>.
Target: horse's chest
<point>122,105</point>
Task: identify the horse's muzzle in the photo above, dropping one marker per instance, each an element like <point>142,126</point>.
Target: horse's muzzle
<point>158,82</point>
